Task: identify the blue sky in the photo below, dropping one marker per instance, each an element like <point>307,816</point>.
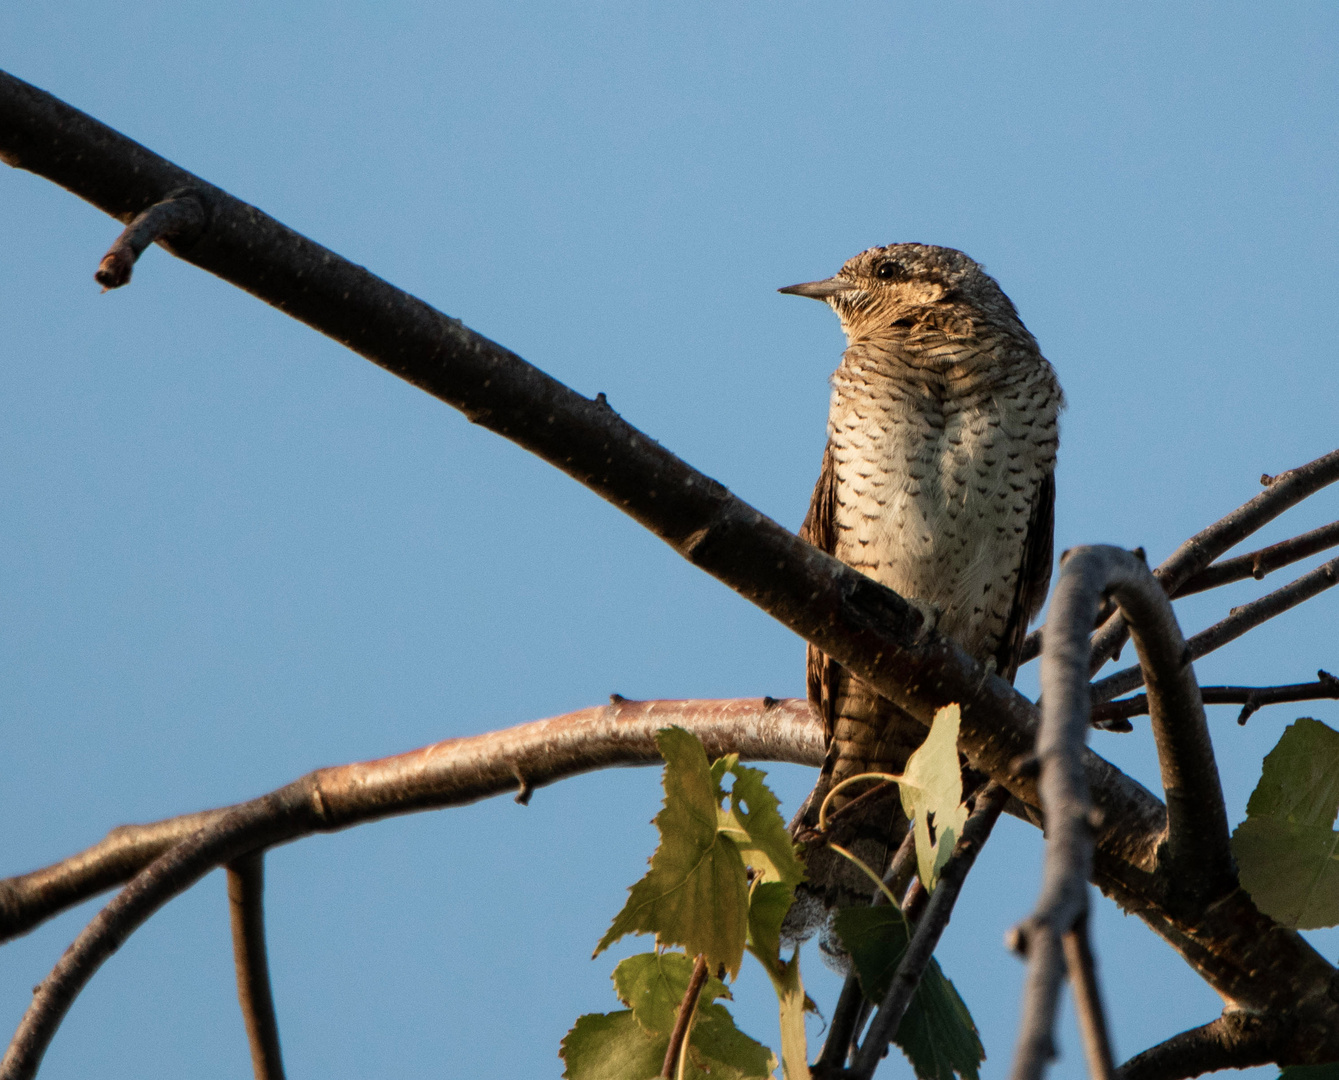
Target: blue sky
<point>235,551</point>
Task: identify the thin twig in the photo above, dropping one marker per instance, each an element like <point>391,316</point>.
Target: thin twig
<point>445,774</point>
<point>1082,967</point>
<point>1283,491</point>
<point>683,1020</point>
<point>246,908</point>
<point>989,803</point>
<point>178,216</point>
<point>1239,621</point>
<point>1256,564</point>
<point>846,1016</point>
<point>1194,556</point>
<point>1250,698</point>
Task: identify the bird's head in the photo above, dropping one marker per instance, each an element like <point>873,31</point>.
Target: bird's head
<point>897,285</point>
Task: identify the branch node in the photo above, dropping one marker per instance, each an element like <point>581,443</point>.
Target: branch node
<point>526,790</point>
<point>179,217</point>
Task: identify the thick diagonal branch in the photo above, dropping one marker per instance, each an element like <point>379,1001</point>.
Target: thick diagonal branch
<point>246,910</point>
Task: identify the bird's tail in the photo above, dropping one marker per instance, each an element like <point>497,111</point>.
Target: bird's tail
<point>869,734</point>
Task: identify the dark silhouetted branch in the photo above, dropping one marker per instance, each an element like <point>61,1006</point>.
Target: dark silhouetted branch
<point>1236,1040</point>
<point>445,774</point>
<point>1256,564</point>
<point>1240,620</point>
<point>178,217</point>
<point>1283,491</point>
<point>1082,967</point>
<point>975,832</point>
<point>1250,698</point>
<point>246,909</point>
<point>1194,556</point>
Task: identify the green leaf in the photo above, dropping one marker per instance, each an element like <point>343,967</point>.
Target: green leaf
<point>1287,853</point>
<point>1310,1072</point>
<point>936,1033</point>
<point>768,904</point>
<point>758,828</point>
<point>611,1046</point>
<point>653,984</point>
<point>631,1045</point>
<point>696,892</point>
<point>932,795</point>
<point>722,1051</point>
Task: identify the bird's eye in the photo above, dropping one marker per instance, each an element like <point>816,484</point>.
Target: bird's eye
<point>887,271</point>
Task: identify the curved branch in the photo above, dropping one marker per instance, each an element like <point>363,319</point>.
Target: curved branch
<point>1234,1041</point>
<point>180,217</point>
<point>1239,620</point>
<point>1196,859</point>
<point>246,910</point>
<point>445,774</point>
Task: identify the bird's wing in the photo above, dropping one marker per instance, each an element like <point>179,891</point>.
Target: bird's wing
<point>820,529</point>
<point>1034,577</point>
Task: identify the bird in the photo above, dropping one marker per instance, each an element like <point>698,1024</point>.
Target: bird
<point>938,481</point>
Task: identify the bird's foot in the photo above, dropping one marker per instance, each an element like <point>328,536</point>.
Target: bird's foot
<point>929,618</point>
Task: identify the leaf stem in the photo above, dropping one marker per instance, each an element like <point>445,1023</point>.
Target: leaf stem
<point>676,1052</point>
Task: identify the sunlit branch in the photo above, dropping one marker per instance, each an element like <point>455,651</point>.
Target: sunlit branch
<point>1236,1040</point>
<point>246,909</point>
<point>445,774</point>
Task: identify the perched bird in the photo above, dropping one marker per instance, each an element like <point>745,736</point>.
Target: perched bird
<point>937,481</point>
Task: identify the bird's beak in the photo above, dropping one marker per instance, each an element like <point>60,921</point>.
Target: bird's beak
<point>818,290</point>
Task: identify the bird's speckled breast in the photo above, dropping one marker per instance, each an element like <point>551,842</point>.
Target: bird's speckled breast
<point>940,448</point>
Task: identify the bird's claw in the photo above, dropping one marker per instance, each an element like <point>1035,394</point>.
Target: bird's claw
<point>929,619</point>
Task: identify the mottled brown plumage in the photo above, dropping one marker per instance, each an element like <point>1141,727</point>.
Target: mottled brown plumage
<point>938,481</point>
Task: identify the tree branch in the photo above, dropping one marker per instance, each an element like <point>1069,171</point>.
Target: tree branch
<point>448,773</point>
<point>1236,1040</point>
<point>1256,564</point>
<point>1326,687</point>
<point>1239,621</point>
<point>975,832</point>
<point>867,628</point>
<point>246,908</point>
<point>683,1020</point>
<point>1082,967</point>
<point>1193,557</point>
<point>180,217</point>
